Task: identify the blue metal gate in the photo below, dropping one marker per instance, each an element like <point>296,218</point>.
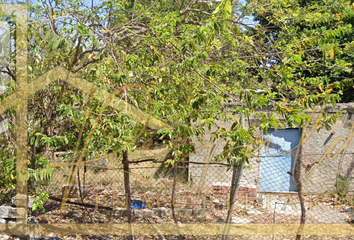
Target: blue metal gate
<point>276,164</point>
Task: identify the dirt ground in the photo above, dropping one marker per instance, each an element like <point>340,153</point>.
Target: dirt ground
<point>253,213</point>
<point>103,189</point>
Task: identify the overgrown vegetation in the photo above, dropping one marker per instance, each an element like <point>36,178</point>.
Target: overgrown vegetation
<point>183,62</point>
<point>343,186</point>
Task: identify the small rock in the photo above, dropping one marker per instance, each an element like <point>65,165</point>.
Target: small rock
<point>201,211</point>
<point>7,212</point>
<point>4,237</point>
<point>35,237</point>
<point>121,211</point>
<point>219,205</point>
<point>186,212</point>
<point>162,212</point>
<point>255,212</point>
<point>2,221</point>
<point>29,201</point>
<point>239,220</point>
<point>241,206</point>
<point>144,213</point>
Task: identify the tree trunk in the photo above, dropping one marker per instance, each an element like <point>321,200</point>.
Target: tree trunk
<point>127,189</point>
<point>302,202</point>
<point>303,211</point>
<point>180,237</point>
<point>173,193</point>
<point>236,177</point>
<point>33,152</point>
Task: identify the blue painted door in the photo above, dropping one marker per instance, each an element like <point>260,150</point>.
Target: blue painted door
<point>279,160</point>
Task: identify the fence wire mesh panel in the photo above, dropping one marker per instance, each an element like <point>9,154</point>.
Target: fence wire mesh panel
<point>267,191</point>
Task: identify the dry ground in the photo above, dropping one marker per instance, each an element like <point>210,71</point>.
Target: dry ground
<point>105,186</point>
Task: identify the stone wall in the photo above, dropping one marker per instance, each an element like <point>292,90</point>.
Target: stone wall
<point>319,176</point>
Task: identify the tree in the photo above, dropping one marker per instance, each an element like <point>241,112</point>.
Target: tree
<point>309,41</point>
<point>193,57</point>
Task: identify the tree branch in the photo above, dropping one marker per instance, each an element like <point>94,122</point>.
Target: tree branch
<point>77,51</point>
<point>86,63</point>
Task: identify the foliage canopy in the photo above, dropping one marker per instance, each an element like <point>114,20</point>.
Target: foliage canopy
<point>194,57</point>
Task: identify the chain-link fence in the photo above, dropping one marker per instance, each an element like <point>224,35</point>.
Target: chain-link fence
<point>268,191</point>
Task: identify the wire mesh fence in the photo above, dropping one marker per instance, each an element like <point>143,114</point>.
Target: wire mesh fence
<point>267,193</point>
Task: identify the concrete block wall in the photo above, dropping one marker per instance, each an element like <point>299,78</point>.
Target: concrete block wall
<point>318,170</point>
<point>318,176</point>
<point>204,176</point>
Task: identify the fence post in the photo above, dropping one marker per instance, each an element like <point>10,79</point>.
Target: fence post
<point>127,190</point>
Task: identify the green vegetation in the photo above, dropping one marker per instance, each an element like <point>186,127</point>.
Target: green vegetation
<point>343,186</point>
<point>183,61</point>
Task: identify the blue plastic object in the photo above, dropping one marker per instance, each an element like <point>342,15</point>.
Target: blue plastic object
<point>137,204</point>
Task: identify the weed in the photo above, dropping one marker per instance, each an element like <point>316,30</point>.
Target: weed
<point>342,187</point>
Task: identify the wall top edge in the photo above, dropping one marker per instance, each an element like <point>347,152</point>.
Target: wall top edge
<point>349,107</point>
